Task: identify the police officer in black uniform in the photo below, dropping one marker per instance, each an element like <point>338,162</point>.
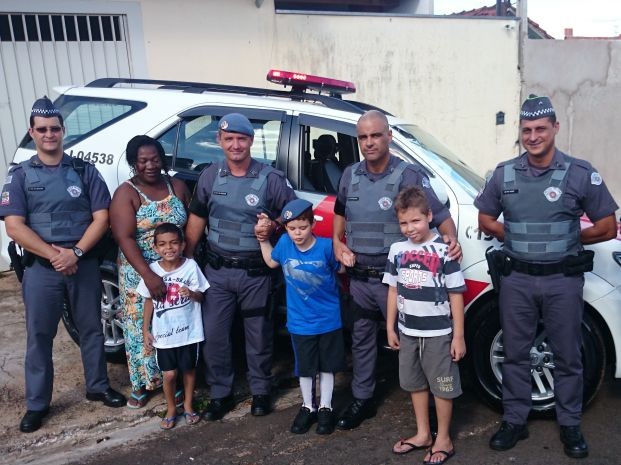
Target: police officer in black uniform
<point>229,197</point>
<point>542,195</point>
<point>364,215</point>
<point>56,209</point>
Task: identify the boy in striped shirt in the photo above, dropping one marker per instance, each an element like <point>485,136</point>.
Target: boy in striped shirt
<point>425,292</point>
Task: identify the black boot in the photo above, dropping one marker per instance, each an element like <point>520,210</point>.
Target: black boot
<point>574,444</point>
<point>507,436</point>
<point>358,411</point>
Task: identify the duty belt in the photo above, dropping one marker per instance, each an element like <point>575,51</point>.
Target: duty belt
<point>570,266</point>
<point>254,265</point>
<point>363,273</point>
<point>537,269</point>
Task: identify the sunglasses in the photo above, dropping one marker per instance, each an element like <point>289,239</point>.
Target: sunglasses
<point>53,129</point>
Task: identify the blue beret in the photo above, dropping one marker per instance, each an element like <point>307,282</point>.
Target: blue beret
<point>236,122</point>
<point>294,209</point>
<point>536,107</point>
<point>44,107</point>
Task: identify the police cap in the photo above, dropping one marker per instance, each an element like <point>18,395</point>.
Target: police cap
<point>236,122</point>
<point>45,108</point>
<point>294,209</point>
<point>535,107</point>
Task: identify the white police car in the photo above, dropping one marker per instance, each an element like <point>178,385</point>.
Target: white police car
<point>311,137</point>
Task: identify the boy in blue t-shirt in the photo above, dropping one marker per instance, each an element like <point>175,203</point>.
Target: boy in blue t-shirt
<point>313,310</point>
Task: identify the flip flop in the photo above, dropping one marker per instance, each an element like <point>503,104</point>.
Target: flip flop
<point>179,398</point>
<point>411,447</point>
<point>139,401</point>
<point>447,455</point>
<point>192,418</point>
<point>168,423</point>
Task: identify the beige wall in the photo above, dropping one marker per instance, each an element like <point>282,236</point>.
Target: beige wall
<point>450,76</point>
<point>583,79</point>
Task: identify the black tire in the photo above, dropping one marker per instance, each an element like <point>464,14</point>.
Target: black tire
<point>485,355</point>
<point>114,342</point>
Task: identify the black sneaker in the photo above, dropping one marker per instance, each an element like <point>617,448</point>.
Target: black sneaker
<point>303,421</point>
<point>507,436</point>
<point>358,411</point>
<point>574,444</point>
<point>325,421</point>
<point>217,408</point>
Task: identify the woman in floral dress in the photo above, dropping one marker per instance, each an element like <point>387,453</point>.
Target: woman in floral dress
<point>148,198</point>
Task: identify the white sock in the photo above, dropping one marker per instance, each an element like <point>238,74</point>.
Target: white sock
<point>326,381</point>
<point>306,386</point>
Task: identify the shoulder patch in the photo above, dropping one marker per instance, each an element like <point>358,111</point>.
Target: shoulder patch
<point>596,179</point>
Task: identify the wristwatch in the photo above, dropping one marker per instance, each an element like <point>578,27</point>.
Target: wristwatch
<point>78,252</point>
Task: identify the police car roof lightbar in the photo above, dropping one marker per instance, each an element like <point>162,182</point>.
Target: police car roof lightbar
<point>301,81</point>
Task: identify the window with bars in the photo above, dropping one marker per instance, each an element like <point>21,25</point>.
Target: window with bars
<point>60,28</point>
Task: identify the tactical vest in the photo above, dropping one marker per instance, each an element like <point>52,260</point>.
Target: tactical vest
<point>233,207</point>
<point>539,227</point>
<point>59,209</point>
<point>372,224</point>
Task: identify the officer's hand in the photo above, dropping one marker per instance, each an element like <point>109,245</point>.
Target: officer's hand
<point>264,227</point>
<point>454,250</point>
<point>71,270</point>
<point>64,260</point>
<point>393,339</point>
<point>458,348</point>
<point>344,255</point>
<point>155,285</point>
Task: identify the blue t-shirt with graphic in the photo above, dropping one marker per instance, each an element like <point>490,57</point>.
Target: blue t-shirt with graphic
<point>313,305</point>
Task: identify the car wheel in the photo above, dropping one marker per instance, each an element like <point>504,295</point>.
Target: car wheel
<point>486,356</point>
<point>111,322</point>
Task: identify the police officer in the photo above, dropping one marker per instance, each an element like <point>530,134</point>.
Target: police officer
<point>228,197</point>
<point>542,195</point>
<point>364,214</point>
<point>56,209</point>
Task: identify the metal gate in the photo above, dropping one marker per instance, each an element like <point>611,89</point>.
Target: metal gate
<point>39,51</point>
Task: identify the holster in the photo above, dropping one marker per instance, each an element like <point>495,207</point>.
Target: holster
<point>578,264</point>
<point>17,260</point>
<point>498,266</point>
<point>214,260</point>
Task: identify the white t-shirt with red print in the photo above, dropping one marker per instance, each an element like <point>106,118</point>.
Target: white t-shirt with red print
<point>177,321</point>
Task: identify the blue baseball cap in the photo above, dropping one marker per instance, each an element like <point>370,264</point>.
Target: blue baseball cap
<point>45,108</point>
<point>236,122</point>
<point>294,209</point>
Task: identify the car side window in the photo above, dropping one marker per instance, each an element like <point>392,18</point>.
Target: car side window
<point>325,153</point>
<point>193,145</point>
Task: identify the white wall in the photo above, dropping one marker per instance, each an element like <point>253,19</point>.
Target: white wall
<point>583,79</point>
<point>450,76</point>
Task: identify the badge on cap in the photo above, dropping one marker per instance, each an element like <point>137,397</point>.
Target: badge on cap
<point>252,200</point>
<point>288,214</point>
<point>224,124</point>
<point>596,179</point>
<point>552,194</point>
<point>74,191</point>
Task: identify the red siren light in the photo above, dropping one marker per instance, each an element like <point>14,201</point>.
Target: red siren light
<point>308,81</point>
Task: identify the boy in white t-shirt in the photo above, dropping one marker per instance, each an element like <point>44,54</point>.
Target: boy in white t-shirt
<point>425,297</point>
<point>174,325</point>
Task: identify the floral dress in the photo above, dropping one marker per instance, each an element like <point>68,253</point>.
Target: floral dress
<point>143,370</point>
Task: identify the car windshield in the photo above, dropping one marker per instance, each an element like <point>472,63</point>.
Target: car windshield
<point>433,149</point>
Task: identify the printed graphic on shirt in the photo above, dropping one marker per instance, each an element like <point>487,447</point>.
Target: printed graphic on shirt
<point>303,276</point>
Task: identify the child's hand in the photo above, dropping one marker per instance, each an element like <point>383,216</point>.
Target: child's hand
<point>458,348</point>
<point>348,259</point>
<point>393,339</point>
<point>263,227</point>
<point>148,341</point>
<point>185,291</point>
